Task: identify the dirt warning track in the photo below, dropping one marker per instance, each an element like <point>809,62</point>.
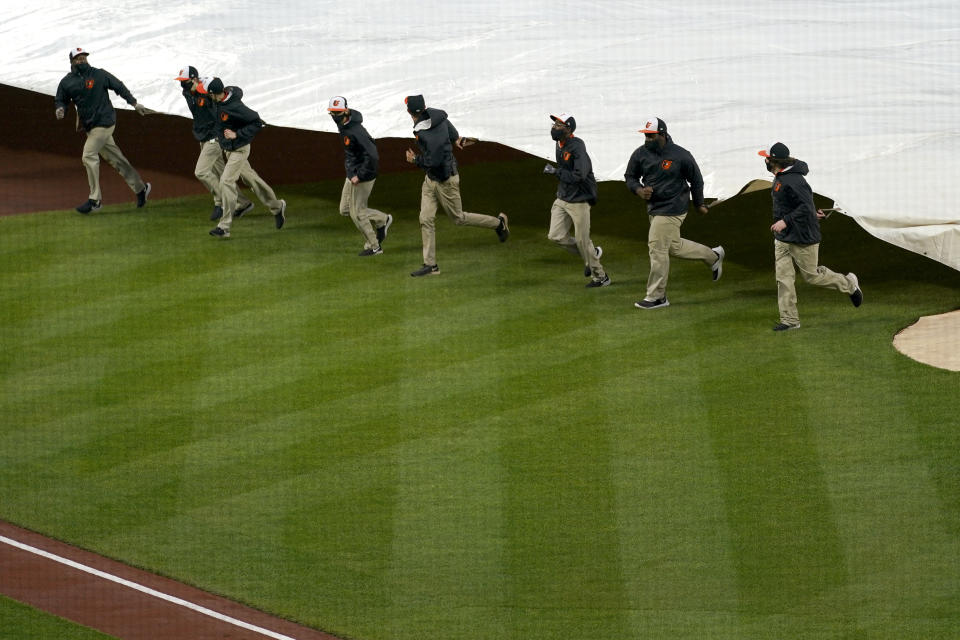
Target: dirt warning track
<point>125,602</point>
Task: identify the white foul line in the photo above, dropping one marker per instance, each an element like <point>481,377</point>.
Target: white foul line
<point>146,590</point>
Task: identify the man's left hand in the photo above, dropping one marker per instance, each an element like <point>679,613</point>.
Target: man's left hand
<point>778,226</point>
<point>229,134</point>
<point>703,209</point>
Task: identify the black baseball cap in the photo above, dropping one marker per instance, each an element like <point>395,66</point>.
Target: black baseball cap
<point>415,104</point>
<point>778,151</point>
<point>566,119</point>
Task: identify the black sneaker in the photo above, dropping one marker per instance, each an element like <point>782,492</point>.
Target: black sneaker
<point>782,326</point>
<point>426,270</point>
<point>503,231</point>
<point>586,268</point>
<point>279,218</point>
<point>857,296</point>
<point>717,267</point>
<point>382,231</point>
<point>143,195</point>
<point>88,206</point>
<point>371,252</point>
<point>219,233</point>
<point>217,213</point>
<point>242,209</point>
<point>599,282</point>
<point>652,304</point>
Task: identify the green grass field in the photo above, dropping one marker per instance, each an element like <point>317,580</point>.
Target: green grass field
<point>495,452</point>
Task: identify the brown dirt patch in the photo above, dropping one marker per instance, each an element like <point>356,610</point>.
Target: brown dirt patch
<point>932,340</point>
<point>119,610</point>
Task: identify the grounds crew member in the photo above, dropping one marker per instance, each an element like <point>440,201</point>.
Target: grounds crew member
<point>576,193</point>
<point>361,162</point>
<point>86,87</point>
<point>666,175</point>
<point>210,161</point>
<point>796,237</point>
<point>237,125</point>
<point>435,137</point>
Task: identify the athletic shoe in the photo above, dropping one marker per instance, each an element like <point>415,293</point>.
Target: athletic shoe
<point>242,209</point>
<point>503,231</point>
<point>382,231</point>
<point>371,252</point>
<point>217,213</point>
<point>857,296</point>
<point>599,282</point>
<point>426,270</point>
<point>88,206</point>
<point>782,326</point>
<point>586,268</point>
<point>219,233</point>
<point>717,267</point>
<point>279,218</point>
<point>652,304</point>
<point>143,195</point>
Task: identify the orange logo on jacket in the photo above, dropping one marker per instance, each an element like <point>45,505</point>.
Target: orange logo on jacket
<point>346,141</point>
<point>666,164</point>
<point>201,102</point>
<point>224,117</point>
<point>566,156</point>
<point>90,83</point>
<point>776,187</point>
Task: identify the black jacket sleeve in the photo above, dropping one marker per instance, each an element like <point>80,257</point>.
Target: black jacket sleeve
<point>119,88</point>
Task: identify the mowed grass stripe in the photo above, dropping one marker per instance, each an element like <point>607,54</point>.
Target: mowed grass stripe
<point>277,468</point>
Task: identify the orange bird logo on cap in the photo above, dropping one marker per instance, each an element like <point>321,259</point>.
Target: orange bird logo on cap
<point>648,125</point>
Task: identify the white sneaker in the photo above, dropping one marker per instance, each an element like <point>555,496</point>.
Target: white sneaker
<point>717,267</point>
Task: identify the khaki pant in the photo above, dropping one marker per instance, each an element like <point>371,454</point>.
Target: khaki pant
<point>209,169</point>
<point>805,257</point>
<point>562,215</point>
<point>446,195</point>
<point>238,166</point>
<point>664,241</point>
<point>353,202</point>
<point>100,143</point>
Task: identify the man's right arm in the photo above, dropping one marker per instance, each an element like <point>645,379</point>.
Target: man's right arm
<point>60,101</point>
<point>632,176</point>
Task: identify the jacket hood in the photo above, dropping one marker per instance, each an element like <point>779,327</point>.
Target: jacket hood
<point>798,167</point>
<point>233,93</point>
<point>355,117</point>
<point>435,118</point>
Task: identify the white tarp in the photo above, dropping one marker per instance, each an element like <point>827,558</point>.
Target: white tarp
<point>867,92</point>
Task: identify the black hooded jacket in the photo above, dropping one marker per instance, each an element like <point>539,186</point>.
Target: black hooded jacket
<point>575,172</point>
<point>204,112</point>
<point>673,174</point>
<point>87,89</point>
<point>233,114</point>
<point>435,136</point>
<point>361,157</point>
<point>793,203</point>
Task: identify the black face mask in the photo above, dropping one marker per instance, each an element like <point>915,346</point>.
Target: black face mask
<point>337,118</point>
<point>653,144</point>
<point>769,164</point>
<point>82,67</point>
<point>557,134</point>
<point>186,84</point>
